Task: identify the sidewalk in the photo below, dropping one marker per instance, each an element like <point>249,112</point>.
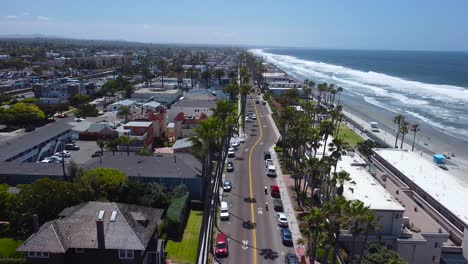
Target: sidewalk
<point>287,204</point>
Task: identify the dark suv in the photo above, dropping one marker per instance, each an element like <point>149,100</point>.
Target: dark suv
<point>291,258</point>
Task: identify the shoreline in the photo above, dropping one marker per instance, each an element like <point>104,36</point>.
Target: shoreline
<point>429,140</point>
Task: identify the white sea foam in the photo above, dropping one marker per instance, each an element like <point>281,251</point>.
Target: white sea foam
<point>435,101</point>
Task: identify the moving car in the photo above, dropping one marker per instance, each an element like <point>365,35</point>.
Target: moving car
<point>230,167</point>
<point>231,152</point>
<point>224,214</point>
<point>221,246</point>
<point>227,186</point>
<point>254,116</point>
<point>282,219</point>
<point>291,258</point>
<point>286,237</point>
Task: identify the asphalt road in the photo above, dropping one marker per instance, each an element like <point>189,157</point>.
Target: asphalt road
<point>259,243</point>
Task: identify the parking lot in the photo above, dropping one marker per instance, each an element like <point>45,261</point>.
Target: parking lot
<point>87,148</point>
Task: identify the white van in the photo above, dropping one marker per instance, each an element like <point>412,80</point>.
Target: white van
<point>270,170</point>
<point>224,215</point>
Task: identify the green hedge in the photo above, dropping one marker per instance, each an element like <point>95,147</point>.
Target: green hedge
<point>12,261</point>
<point>176,216</point>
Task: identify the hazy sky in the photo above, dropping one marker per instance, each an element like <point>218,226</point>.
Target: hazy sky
<point>353,24</point>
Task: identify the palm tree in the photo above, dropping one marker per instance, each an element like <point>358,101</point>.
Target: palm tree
<point>162,65</point>
<point>326,129</point>
<point>315,228</point>
<point>404,130</point>
<point>339,90</point>
<point>358,213</point>
<point>124,111</point>
<point>244,90</point>
<point>233,90</point>
<point>415,129</point>
<point>112,145</point>
<point>398,119</point>
<point>371,225</point>
<point>204,141</point>
<point>219,73</point>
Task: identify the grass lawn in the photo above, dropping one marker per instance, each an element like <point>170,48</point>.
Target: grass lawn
<point>349,136</point>
<point>8,248</point>
<point>185,251</point>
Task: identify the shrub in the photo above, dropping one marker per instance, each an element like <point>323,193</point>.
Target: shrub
<point>176,216</point>
<point>278,149</point>
<point>12,261</point>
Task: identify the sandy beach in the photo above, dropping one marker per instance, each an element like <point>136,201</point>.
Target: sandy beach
<point>429,140</point>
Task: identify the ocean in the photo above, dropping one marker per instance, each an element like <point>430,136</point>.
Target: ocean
<point>430,86</point>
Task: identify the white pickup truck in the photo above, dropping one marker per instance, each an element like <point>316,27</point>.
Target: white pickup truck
<point>270,168</point>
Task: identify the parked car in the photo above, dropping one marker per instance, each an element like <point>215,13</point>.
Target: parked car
<point>257,102</point>
<point>278,205</point>
<point>291,258</point>
<point>98,153</point>
<point>224,214</point>
<point>266,155</point>
<point>227,186</point>
<point>221,246</point>
<point>235,142</point>
<point>282,219</point>
<point>264,103</point>
<point>230,167</point>
<point>286,237</point>
<point>72,146</point>
<point>231,152</point>
<point>274,191</point>
<point>64,153</point>
<point>254,117</point>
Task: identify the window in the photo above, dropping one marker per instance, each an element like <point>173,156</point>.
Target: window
<point>79,250</point>
<point>125,254</point>
<point>436,245</point>
<point>38,254</point>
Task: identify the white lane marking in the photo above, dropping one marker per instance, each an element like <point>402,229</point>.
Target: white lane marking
<point>264,126</point>
<point>245,244</point>
<point>260,211</point>
<point>246,149</point>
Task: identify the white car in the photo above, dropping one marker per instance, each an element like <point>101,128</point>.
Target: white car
<point>224,213</point>
<point>282,219</point>
<point>65,153</point>
<point>242,139</point>
<point>254,116</point>
<point>235,142</point>
<point>231,152</point>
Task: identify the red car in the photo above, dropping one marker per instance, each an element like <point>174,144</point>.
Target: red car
<point>221,246</point>
<point>275,192</point>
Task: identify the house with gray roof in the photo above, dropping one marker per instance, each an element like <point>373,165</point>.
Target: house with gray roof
<point>97,232</point>
<point>169,170</point>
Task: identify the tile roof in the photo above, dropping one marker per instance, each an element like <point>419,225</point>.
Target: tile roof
<point>76,228</point>
<point>180,117</point>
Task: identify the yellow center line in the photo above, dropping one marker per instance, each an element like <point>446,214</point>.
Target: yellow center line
<point>252,209</point>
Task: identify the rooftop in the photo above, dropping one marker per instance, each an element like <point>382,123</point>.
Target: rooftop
<point>441,185</point>
<point>76,228</point>
<point>15,145</point>
<point>31,168</point>
<point>182,143</point>
<point>126,102</point>
<point>199,104</point>
<point>157,166</point>
<point>364,187</point>
<point>138,124</point>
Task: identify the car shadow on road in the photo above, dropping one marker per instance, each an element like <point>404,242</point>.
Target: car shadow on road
<point>268,253</point>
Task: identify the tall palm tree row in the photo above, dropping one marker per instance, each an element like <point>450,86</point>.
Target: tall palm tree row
<point>403,128</point>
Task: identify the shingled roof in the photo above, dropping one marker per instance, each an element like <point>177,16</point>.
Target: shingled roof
<point>76,228</point>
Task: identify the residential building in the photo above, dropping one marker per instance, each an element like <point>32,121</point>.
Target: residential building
<point>200,68</point>
<point>97,232</point>
<point>14,172</point>
<point>192,108</point>
<point>275,77</point>
<point>127,102</point>
<point>159,119</point>
<point>99,131</point>
<point>38,144</point>
<point>418,242</point>
<point>184,125</point>
<point>140,133</point>
<point>183,145</point>
<point>98,61</point>
<point>58,91</point>
<point>169,170</point>
<point>164,96</point>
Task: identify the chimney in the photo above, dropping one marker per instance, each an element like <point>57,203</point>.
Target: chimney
<point>35,222</point>
<point>100,231</point>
